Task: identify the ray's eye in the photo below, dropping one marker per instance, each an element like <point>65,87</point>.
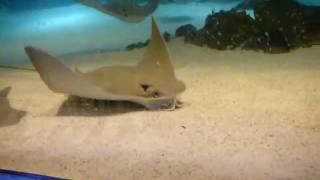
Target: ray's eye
<point>149,91</point>
<point>145,87</point>
<point>156,94</point>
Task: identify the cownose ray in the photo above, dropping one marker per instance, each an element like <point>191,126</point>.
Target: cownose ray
<point>126,10</point>
<point>8,115</point>
<point>151,83</point>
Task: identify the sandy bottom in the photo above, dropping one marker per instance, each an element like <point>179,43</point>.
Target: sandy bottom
<point>247,115</point>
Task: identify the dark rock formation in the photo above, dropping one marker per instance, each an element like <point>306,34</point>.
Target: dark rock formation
<point>284,19</point>
<point>312,21</point>
<point>278,27</point>
<point>228,30</point>
<point>185,30</point>
<point>190,33</point>
<point>137,45</point>
<point>166,36</point>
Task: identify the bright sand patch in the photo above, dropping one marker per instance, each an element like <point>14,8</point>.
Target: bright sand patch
<point>247,115</point>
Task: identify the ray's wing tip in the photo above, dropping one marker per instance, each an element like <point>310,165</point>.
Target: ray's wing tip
<point>155,28</point>
<point>33,54</point>
<point>8,89</point>
<point>154,22</point>
<point>5,91</point>
<point>30,50</point>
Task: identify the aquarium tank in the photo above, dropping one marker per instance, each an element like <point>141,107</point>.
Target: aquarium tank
<point>159,89</point>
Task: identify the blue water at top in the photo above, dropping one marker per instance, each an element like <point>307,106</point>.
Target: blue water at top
<point>19,5</point>
<point>310,2</point>
<point>66,27</point>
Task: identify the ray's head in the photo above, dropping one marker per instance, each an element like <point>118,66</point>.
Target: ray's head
<point>153,88</point>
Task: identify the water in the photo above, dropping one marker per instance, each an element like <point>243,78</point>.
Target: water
<point>86,29</point>
<point>67,28</point>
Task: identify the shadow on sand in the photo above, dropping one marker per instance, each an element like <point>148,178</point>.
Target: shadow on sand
<point>8,115</point>
<point>77,106</point>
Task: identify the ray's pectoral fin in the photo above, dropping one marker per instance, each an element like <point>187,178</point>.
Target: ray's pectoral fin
<point>60,78</point>
<point>96,5</point>
<point>157,63</point>
<point>157,54</point>
<point>126,10</point>
<point>91,3</point>
<point>4,93</point>
<point>8,115</point>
